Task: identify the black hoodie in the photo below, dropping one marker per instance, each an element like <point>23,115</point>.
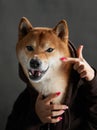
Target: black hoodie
<point>81,99</point>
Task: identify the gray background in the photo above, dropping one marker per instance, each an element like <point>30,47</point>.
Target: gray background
<point>81,16</point>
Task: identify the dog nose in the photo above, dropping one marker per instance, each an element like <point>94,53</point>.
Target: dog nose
<point>35,63</point>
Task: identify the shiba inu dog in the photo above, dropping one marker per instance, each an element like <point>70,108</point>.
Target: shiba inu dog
<point>39,50</point>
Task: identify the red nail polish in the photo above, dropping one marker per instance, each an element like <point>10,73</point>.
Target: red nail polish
<point>63,58</point>
<point>60,118</point>
<point>58,93</point>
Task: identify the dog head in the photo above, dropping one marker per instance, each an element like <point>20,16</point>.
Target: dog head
<point>39,49</point>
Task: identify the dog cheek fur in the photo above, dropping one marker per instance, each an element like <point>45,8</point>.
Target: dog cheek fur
<point>23,60</point>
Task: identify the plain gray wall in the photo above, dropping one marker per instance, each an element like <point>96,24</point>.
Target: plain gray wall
<point>81,16</point>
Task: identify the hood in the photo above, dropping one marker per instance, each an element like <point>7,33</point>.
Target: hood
<point>23,76</point>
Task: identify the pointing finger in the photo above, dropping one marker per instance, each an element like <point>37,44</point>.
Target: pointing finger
<point>74,60</point>
<point>69,59</point>
<point>79,51</point>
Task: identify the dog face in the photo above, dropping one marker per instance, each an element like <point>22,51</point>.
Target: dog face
<point>39,49</point>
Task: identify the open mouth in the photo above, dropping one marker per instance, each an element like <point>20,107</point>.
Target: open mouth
<point>36,74</point>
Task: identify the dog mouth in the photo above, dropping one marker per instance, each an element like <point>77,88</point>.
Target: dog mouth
<point>36,74</point>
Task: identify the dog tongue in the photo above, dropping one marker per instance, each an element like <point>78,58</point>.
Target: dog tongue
<point>36,73</point>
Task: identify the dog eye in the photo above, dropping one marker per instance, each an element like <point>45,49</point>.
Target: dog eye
<point>29,48</point>
<point>49,49</point>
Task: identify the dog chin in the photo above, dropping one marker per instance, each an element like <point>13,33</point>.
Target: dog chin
<point>36,75</point>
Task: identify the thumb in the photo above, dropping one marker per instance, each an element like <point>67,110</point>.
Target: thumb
<point>79,51</point>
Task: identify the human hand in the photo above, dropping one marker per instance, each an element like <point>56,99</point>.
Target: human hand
<point>80,65</point>
<point>47,111</point>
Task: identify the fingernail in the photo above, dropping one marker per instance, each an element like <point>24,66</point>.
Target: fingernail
<point>63,58</point>
<point>65,107</point>
<point>82,45</point>
<point>62,111</point>
<point>60,118</point>
<point>58,93</point>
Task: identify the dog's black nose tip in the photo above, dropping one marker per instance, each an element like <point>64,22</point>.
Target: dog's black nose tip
<point>35,63</point>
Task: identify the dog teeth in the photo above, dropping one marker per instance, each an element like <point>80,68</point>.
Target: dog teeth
<point>34,73</point>
<point>39,73</point>
<point>30,73</point>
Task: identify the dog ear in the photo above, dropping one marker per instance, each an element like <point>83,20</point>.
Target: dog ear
<point>24,27</point>
<point>61,30</point>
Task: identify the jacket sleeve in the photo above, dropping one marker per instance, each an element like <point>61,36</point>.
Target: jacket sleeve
<point>23,116</point>
<point>91,104</point>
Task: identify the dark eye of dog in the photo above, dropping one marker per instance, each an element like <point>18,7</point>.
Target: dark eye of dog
<point>29,48</point>
<point>49,49</point>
